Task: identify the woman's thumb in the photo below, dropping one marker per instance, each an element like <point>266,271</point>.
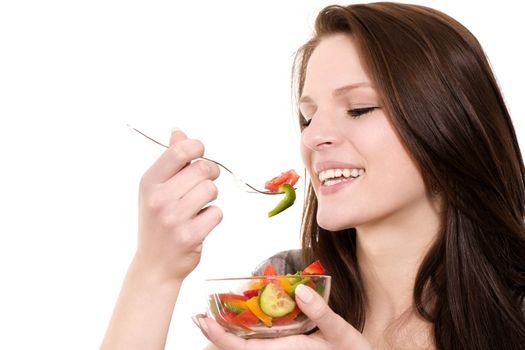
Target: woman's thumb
<point>333,327</point>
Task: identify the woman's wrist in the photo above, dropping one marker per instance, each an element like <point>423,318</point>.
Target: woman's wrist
<point>144,272</point>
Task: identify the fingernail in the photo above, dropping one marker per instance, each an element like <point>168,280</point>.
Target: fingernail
<point>204,326</point>
<point>195,320</point>
<point>304,293</point>
<point>174,129</point>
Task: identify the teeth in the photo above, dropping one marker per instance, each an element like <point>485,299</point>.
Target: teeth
<point>333,182</point>
<point>332,176</point>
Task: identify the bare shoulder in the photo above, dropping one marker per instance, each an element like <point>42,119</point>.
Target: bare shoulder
<point>210,346</point>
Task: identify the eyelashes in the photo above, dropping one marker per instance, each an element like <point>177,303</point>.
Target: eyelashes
<point>357,112</point>
<point>354,113</point>
<point>304,122</point>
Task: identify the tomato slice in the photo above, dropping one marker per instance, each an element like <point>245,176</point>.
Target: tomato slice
<point>314,268</point>
<point>288,177</point>
<point>250,293</point>
<point>270,270</point>
<point>225,317</point>
<point>227,297</point>
<point>246,319</point>
<point>286,318</point>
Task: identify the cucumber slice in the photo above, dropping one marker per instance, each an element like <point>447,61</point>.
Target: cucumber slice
<point>274,301</point>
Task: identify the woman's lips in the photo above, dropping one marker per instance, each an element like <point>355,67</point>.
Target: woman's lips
<point>335,185</point>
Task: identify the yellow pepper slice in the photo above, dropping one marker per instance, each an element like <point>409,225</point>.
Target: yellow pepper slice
<point>253,305</point>
<point>286,285</point>
<point>238,303</point>
<point>257,284</point>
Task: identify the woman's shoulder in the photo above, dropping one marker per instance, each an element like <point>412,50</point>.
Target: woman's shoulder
<point>285,262</point>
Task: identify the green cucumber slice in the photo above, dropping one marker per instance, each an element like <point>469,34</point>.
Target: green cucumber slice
<point>274,301</point>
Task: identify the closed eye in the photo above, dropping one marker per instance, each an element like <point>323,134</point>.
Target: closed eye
<point>358,112</point>
<point>354,113</point>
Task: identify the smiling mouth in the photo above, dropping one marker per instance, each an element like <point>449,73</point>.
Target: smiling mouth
<point>332,177</point>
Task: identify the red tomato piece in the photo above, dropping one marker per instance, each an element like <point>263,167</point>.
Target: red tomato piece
<point>314,268</point>
<point>226,317</point>
<point>227,314</point>
<point>289,177</point>
<point>246,319</point>
<point>270,270</point>
<point>251,293</point>
<point>286,318</point>
<point>226,297</point>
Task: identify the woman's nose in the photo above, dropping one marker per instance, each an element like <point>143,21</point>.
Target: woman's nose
<point>321,132</point>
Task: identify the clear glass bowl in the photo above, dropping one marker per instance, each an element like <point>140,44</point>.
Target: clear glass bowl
<point>237,304</point>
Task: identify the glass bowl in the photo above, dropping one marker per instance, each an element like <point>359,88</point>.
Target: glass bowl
<point>262,307</point>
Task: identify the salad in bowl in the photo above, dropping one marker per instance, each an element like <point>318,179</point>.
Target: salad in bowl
<point>264,306</point>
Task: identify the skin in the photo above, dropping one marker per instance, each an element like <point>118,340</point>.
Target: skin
<point>395,217</point>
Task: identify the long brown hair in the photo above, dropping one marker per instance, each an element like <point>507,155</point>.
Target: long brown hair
<point>443,100</point>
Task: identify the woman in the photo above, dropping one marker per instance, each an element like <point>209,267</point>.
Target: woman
<point>428,234</point>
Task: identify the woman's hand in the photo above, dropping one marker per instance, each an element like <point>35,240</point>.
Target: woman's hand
<point>174,218</point>
<point>334,332</point>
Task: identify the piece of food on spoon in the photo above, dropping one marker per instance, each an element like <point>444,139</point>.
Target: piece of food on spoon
<point>288,177</point>
<point>283,184</point>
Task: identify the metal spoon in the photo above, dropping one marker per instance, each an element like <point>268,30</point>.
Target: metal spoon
<point>254,190</point>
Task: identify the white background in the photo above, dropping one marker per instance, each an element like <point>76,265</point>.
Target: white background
<point>74,73</point>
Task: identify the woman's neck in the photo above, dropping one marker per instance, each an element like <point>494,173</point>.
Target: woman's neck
<point>389,254</point>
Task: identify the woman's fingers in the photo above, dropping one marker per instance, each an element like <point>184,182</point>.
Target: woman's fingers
<point>175,158</point>
<point>313,305</point>
<point>206,220</point>
<point>191,176</point>
<point>227,341</point>
<point>334,328</point>
<point>196,199</point>
<point>191,237</point>
<point>172,221</point>
<point>218,336</point>
<point>176,136</point>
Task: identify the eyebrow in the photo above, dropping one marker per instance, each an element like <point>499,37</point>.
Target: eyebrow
<point>340,91</point>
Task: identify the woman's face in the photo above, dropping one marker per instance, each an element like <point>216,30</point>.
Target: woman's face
<point>359,170</point>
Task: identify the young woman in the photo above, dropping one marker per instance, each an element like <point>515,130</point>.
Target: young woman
<point>417,185</point>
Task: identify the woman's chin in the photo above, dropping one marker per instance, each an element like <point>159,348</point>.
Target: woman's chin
<point>331,223</point>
